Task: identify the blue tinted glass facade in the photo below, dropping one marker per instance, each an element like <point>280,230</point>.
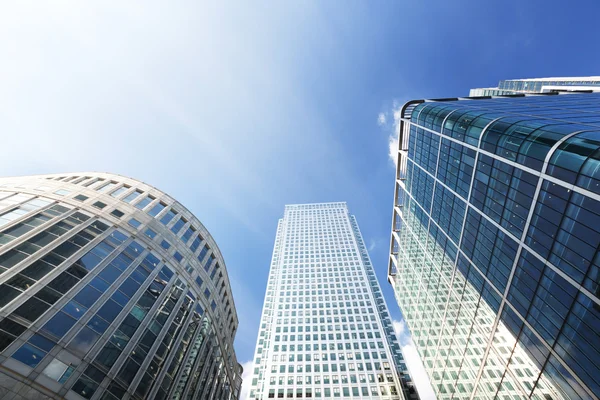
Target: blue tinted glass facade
<point>90,308</point>
<point>495,254</point>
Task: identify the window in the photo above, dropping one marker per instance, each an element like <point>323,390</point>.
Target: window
<point>92,181</point>
<point>58,371</point>
<point>178,225</point>
<point>120,191</point>
<point>150,233</point>
<point>178,256</point>
<point>83,341</point>
<point>132,196</point>
<point>117,213</point>
<point>168,216</point>
<point>99,205</point>
<point>135,223</point>
<point>188,234</point>
<point>144,202</point>
<point>106,187</point>
<point>58,325</point>
<point>29,355</point>
<point>157,209</point>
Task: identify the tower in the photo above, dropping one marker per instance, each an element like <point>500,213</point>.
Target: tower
<point>325,329</point>
<point>495,244</point>
<point>110,289</point>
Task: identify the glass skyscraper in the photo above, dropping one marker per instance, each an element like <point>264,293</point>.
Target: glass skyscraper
<point>110,289</point>
<point>540,85</point>
<point>495,244</point>
<point>325,329</point>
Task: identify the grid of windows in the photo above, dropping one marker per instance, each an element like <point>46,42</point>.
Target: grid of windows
<point>539,85</point>
<point>91,308</point>
<point>325,329</point>
<point>499,278</point>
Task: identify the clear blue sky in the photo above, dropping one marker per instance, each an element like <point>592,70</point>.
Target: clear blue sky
<point>237,109</point>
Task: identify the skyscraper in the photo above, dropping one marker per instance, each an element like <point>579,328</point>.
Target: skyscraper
<point>110,289</point>
<point>540,85</point>
<point>495,244</point>
<point>325,329</point>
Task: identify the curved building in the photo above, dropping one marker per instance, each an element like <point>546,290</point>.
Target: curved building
<point>110,289</point>
<point>495,250</point>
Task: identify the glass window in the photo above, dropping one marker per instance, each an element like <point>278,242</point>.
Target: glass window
<point>87,296</point>
<point>55,370</point>
<point>63,283</point>
<point>150,233</point>
<point>32,309</point>
<point>178,225</point>
<point>117,213</point>
<point>59,324</point>
<point>132,196</point>
<point>7,294</point>
<point>178,256</point>
<point>168,216</point>
<point>83,341</point>
<point>99,205</point>
<point>29,355</point>
<point>106,187</point>
<point>120,191</point>
<point>98,324</point>
<point>188,234</point>
<point>74,309</point>
<point>110,310</point>
<point>157,209</point>
<point>144,202</point>
<point>85,387</point>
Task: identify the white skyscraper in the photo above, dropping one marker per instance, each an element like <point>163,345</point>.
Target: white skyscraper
<point>325,329</point>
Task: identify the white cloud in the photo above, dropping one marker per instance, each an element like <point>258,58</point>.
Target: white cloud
<point>397,114</point>
<point>372,245</point>
<point>392,129</point>
<point>393,148</point>
<point>413,361</point>
<point>400,329</point>
<point>246,379</point>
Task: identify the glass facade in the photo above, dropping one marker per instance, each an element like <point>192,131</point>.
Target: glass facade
<point>495,256</point>
<point>325,329</point>
<point>93,307</point>
<point>540,85</point>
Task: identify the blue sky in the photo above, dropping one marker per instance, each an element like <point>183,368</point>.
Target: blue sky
<point>237,109</point>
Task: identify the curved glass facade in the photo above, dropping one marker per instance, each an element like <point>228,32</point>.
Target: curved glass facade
<point>495,254</point>
<point>110,289</point>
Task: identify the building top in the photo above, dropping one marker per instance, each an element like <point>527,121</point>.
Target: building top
<point>563,79</point>
<point>115,183</point>
<point>308,206</point>
<point>540,85</point>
